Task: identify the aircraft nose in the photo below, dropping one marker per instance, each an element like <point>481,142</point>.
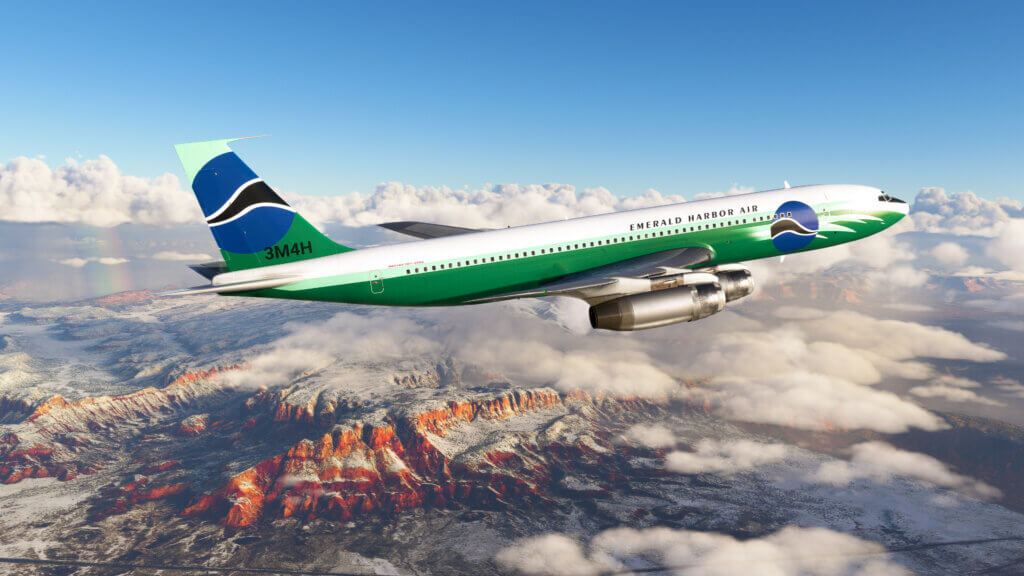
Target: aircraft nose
<point>897,205</point>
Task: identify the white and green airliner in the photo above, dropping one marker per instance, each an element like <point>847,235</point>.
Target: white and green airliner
<point>637,269</point>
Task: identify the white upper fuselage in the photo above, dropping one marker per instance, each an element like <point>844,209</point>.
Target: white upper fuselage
<point>523,238</point>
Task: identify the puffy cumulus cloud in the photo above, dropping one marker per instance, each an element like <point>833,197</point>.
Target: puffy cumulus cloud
<point>550,555</point>
<point>903,276</point>
<point>791,551</point>
<point>1008,246</point>
<point>493,207</point>
<point>181,256</point>
<point>650,435</point>
<point>627,372</point>
<point>93,192</point>
<point>353,337</point>
<point>819,402</point>
<point>817,369</point>
<point>81,262</point>
<point>950,253</point>
<point>726,457</point>
<point>964,213</point>
<point>881,462</point>
<point>899,340</point>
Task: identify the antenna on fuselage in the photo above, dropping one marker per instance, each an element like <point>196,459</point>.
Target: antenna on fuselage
<point>785,184</point>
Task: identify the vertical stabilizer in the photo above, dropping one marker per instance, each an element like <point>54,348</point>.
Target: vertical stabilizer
<point>251,224</point>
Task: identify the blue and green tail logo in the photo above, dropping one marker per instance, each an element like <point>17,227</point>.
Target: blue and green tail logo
<point>252,225</point>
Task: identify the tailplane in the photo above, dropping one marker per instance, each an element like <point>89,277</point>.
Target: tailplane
<point>251,224</point>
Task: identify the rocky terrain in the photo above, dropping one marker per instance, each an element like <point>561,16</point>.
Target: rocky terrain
<point>205,431</point>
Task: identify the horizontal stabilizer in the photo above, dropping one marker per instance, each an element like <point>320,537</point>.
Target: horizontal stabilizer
<point>209,269</point>
<point>426,229</point>
<point>247,286</point>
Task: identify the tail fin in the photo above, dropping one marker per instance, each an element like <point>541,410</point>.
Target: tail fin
<point>252,225</point>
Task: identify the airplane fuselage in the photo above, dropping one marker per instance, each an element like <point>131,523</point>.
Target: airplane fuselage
<point>454,270</point>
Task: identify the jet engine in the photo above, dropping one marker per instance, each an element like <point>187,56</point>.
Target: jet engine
<point>660,308</point>
<point>736,283</point>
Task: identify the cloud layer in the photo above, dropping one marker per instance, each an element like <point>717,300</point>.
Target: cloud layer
<point>881,462</point>
<point>93,192</point>
<point>726,457</point>
<point>790,551</point>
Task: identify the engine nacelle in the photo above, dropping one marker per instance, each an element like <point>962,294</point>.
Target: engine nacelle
<point>736,283</point>
<point>660,308</point>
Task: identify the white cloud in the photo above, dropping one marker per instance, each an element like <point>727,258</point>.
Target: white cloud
<point>819,402</point>
<point>961,214</point>
<point>494,207</point>
<point>93,192</point>
<point>726,457</point>
<point>881,462</point>
<point>953,389</point>
<point>952,394</point>
<point>627,372</point>
<point>1012,305</point>
<point>1009,386</point>
<point>80,262</point>
<point>181,256</point>
<point>791,551</point>
<point>902,276</point>
<point>650,435</point>
<point>950,253</point>
<point>817,370</point>
<point>352,337</point>
<point>1008,246</point>
<point>550,554</point>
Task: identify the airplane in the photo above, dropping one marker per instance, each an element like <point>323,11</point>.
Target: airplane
<point>637,269</point>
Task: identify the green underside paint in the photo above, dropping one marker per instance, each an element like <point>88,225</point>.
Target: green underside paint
<point>301,242</point>
<point>455,286</point>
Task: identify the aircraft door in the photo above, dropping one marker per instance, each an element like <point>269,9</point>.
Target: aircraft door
<point>376,282</point>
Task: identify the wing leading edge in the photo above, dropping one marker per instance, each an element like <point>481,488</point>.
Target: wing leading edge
<point>426,230</point>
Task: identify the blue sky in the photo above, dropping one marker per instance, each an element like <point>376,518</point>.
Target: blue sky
<point>681,97</point>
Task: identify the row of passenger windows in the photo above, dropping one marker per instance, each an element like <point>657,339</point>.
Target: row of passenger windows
<point>595,243</point>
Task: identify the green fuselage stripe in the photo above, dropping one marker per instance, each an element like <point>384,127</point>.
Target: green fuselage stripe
<point>452,282</point>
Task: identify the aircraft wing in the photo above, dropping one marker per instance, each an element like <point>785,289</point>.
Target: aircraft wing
<point>426,229</point>
<point>606,282</point>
